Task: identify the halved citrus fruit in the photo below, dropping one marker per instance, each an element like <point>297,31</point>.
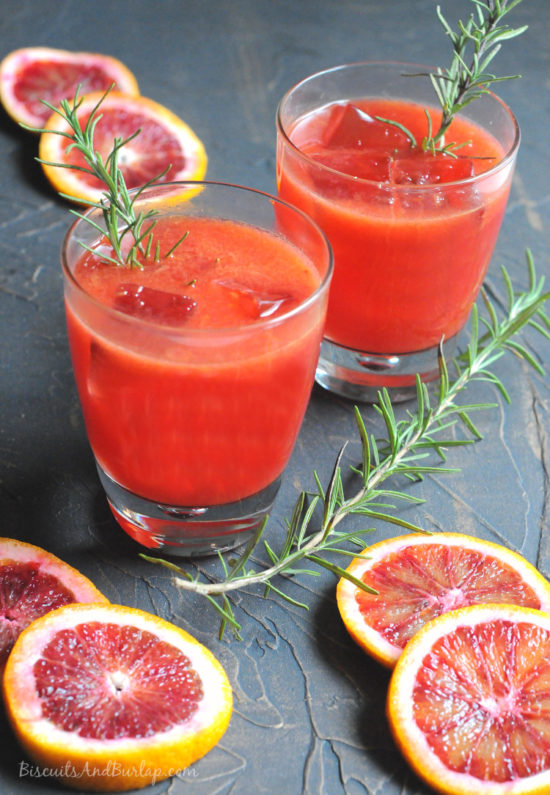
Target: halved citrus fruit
<point>469,701</point>
<point>33,74</point>
<point>418,577</point>
<point>33,582</point>
<point>114,698</point>
<point>164,142</point>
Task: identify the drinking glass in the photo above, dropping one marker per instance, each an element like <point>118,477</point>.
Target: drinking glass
<point>191,428</point>
<point>409,254</point>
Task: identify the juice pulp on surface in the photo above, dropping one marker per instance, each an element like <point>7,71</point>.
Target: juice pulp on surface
<point>188,400</point>
<point>410,248</point>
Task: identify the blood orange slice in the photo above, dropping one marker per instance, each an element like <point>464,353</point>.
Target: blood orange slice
<point>114,698</point>
<point>419,577</point>
<point>33,582</point>
<point>165,142</point>
<point>33,74</point>
<point>469,701</point>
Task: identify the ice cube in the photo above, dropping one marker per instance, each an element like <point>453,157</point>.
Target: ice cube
<point>270,305</point>
<point>257,303</point>
<point>157,306</point>
<point>426,168</point>
<point>350,127</point>
<point>366,163</point>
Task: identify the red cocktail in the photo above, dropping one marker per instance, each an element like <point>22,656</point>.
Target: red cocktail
<point>195,370</point>
<point>412,232</point>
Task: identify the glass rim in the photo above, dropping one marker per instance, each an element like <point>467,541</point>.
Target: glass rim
<point>503,163</point>
<point>259,325</point>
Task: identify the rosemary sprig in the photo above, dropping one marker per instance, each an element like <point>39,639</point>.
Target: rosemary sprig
<point>474,45</point>
<point>312,534</point>
<point>463,82</point>
<point>129,233</point>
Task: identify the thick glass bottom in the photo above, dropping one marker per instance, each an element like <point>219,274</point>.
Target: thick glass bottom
<point>359,375</point>
<point>188,530</point>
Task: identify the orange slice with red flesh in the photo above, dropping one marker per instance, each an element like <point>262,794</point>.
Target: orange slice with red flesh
<point>418,577</point>
<point>33,74</point>
<point>164,142</point>
<point>33,582</point>
<point>114,698</point>
<point>469,701</point>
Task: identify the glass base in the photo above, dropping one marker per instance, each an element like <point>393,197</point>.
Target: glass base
<point>186,530</point>
<point>360,376</point>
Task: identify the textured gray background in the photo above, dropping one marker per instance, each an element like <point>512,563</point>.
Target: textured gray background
<point>309,706</point>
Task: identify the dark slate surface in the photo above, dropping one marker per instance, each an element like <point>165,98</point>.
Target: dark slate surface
<point>309,706</point>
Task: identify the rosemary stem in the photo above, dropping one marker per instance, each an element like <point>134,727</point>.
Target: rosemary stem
<point>213,589</point>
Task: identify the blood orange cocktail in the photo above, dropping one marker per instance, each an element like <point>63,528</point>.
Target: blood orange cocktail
<point>412,232</point>
<point>195,370</point>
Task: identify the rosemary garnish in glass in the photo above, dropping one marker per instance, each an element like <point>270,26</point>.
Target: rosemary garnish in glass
<point>129,233</point>
<point>313,536</point>
<point>467,77</point>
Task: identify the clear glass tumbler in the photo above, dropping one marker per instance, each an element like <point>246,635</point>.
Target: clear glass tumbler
<point>192,425</point>
<point>412,239</point>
